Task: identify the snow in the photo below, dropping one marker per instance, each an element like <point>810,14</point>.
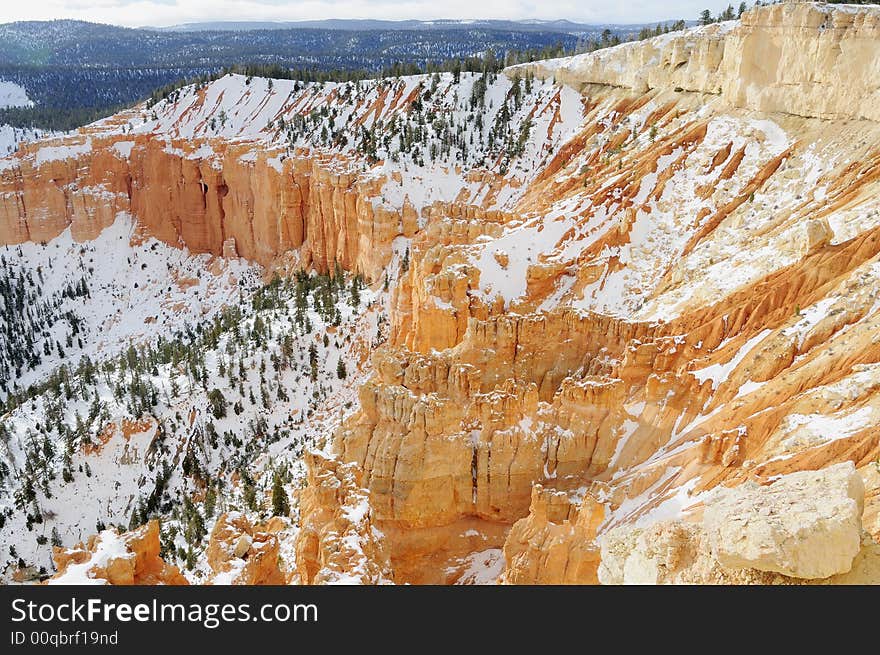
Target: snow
<point>110,546</point>
<point>808,430</point>
<point>12,95</point>
<point>644,509</point>
<point>420,188</point>
<point>862,379</point>
<point>243,110</point>
<point>853,8</point>
<point>204,151</point>
<point>359,512</point>
<point>662,223</point>
<point>722,262</point>
<point>811,316</point>
<point>719,373</point>
<point>143,291</point>
<point>624,57</point>
<point>123,148</point>
<point>671,508</point>
<point>627,429</point>
<point>748,387</point>
<point>482,567</point>
<point>776,138</point>
<point>11,137</point>
<point>563,286</point>
<point>228,577</point>
<point>54,153</point>
<point>523,244</point>
<point>138,293</point>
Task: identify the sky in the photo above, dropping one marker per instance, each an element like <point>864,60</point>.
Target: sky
<point>140,13</point>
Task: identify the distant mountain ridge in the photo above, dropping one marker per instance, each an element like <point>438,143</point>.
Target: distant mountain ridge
<point>78,43</point>
<point>530,25</point>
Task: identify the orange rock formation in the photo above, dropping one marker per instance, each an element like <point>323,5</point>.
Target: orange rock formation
<point>131,558</point>
<point>238,553</point>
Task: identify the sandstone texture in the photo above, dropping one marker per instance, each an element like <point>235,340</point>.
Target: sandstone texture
<point>555,543</point>
<point>221,205</point>
<point>803,58</point>
<point>805,525</point>
<point>240,554</point>
<point>337,542</point>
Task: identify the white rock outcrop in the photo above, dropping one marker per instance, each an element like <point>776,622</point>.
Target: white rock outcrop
<point>689,60</point>
<point>802,58</point>
<point>808,59</point>
<point>804,525</point>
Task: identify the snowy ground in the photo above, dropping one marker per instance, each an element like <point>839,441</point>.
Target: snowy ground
<point>222,332</point>
<point>428,129</point>
<point>135,292</point>
<point>12,95</point>
<point>11,137</point>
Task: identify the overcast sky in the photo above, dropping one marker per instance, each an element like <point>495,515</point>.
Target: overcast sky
<point>137,13</point>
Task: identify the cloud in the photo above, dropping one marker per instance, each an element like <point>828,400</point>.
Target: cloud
<point>137,13</point>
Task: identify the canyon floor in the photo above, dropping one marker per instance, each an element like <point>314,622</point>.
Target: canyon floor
<point>609,318</point>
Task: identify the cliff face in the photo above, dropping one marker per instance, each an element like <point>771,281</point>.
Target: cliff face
<point>263,168</point>
<point>805,59</point>
<point>799,58</point>
<point>248,203</point>
<point>556,542</point>
<point>672,290</point>
<point>690,61</point>
<point>338,542</point>
<point>242,554</point>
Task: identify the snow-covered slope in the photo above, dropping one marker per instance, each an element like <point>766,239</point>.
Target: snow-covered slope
<point>12,95</point>
<point>94,299</point>
<point>11,137</point>
<point>218,365</point>
<point>441,126</point>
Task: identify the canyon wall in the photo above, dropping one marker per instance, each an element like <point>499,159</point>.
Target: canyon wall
<point>672,328</point>
<point>257,205</point>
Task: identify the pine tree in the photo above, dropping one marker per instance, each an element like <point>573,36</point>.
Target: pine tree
<point>217,403</point>
<point>355,291</point>
<point>280,503</point>
<point>210,501</point>
<point>313,362</point>
<point>341,373</point>
<point>249,494</point>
